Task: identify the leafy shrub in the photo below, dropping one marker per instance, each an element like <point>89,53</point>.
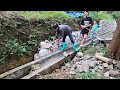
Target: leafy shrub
<point>115,14</point>
<point>101,15</point>
<point>11,49</point>
<point>14,48</point>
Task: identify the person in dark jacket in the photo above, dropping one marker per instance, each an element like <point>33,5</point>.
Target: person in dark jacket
<point>61,32</point>
<point>86,24</point>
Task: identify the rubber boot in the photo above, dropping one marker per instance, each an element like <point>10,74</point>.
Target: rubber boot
<point>63,46</point>
<point>74,47</point>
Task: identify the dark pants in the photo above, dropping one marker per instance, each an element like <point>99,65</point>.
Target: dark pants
<point>84,31</point>
<point>70,36</point>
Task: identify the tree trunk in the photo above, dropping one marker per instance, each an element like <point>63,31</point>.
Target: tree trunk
<point>114,47</point>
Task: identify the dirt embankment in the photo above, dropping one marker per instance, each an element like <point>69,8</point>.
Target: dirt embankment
<point>17,27</point>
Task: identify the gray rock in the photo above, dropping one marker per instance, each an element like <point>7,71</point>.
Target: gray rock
<point>77,70</point>
<point>67,40</point>
<point>92,64</point>
<point>106,74</point>
<point>35,67</point>
<point>63,68</point>
<point>74,65</point>
<point>101,54</point>
<point>79,54</point>
<point>65,54</point>
<point>96,62</point>
<point>110,67</point>
<point>36,56</point>
<point>72,72</point>
<point>80,68</point>
<point>100,67</point>
<point>114,62</point>
<point>114,73</point>
<point>72,68</point>
<point>44,45</point>
<point>86,57</point>
<point>105,65</point>
<point>96,68</point>
<point>44,52</point>
<point>80,59</point>
<point>73,34</point>
<point>85,66</point>
<point>75,59</point>
<point>100,71</point>
<point>68,65</point>
<point>93,71</point>
<point>90,70</point>
<point>39,49</point>
<point>46,41</point>
<point>100,62</point>
<point>93,58</point>
<point>111,78</point>
<point>78,63</point>
<point>98,74</point>
<point>57,70</point>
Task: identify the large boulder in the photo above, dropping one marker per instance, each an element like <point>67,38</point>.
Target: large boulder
<point>79,54</point>
<point>91,64</point>
<point>114,73</point>
<point>36,56</point>
<point>105,65</point>
<point>44,52</point>
<point>45,45</point>
<point>85,66</point>
<point>106,74</point>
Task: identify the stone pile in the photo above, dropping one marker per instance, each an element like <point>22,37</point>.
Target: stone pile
<point>86,63</point>
<point>47,47</point>
<point>106,26</point>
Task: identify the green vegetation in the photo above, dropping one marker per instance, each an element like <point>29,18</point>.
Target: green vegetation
<point>115,14</point>
<point>12,50</point>
<point>43,14</point>
<point>88,75</point>
<point>102,15</point>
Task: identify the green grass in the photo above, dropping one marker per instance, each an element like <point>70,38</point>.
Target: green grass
<point>60,14</point>
<point>88,75</point>
<point>42,14</point>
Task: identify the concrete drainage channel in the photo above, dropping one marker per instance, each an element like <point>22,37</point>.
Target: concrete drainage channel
<point>48,64</point>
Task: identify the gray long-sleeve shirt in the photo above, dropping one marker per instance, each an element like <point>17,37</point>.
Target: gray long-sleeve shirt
<point>63,30</point>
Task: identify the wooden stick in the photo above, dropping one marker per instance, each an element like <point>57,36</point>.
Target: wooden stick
<point>104,59</point>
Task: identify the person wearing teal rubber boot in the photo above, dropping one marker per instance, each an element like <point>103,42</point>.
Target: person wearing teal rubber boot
<point>61,32</point>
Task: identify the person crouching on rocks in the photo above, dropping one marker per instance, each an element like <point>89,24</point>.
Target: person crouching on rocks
<point>61,32</point>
